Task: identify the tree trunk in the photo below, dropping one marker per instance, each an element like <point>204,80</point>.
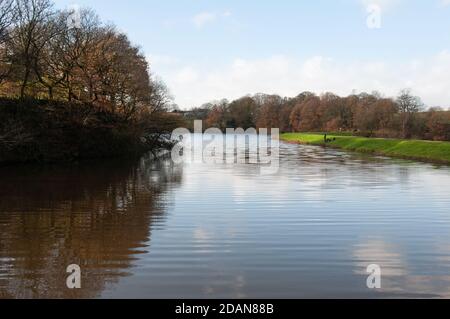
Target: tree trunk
<point>24,83</point>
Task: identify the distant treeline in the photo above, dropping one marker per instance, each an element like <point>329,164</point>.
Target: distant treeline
<point>53,61</point>
<point>365,114</point>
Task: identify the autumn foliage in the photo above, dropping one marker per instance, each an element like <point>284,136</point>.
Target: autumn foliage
<point>370,115</point>
<point>76,74</point>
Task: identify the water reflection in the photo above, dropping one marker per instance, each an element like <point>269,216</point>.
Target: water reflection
<point>153,230</point>
<point>97,214</point>
<point>401,279</point>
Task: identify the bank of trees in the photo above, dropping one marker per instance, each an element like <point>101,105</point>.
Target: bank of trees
<point>70,59</point>
<point>72,56</point>
<point>364,114</point>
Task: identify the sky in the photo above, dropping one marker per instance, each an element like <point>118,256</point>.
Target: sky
<point>206,50</point>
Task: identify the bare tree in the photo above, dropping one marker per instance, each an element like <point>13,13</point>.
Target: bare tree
<point>7,16</point>
<point>160,96</point>
<point>29,35</point>
<point>408,106</point>
<point>78,45</point>
<point>50,65</point>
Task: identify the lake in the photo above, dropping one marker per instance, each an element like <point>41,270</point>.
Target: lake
<point>153,229</point>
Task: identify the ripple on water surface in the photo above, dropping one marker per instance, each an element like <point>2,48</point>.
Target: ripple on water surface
<point>154,229</point>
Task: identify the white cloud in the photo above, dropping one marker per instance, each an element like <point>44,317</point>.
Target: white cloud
<point>186,76</point>
<point>155,59</point>
<point>288,77</point>
<point>203,18</point>
<point>385,5</point>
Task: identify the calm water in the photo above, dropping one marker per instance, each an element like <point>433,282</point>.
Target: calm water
<point>146,229</point>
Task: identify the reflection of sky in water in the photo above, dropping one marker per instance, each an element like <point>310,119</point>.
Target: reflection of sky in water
<point>308,231</point>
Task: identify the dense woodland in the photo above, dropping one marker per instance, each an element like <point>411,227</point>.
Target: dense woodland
<point>71,84</point>
<point>365,114</point>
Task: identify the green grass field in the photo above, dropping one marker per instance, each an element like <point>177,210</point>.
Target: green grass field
<point>438,152</point>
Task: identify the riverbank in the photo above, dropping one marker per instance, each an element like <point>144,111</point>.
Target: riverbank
<point>428,151</point>
<point>43,131</point>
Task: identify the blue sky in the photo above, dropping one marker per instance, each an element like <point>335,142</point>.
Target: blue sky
<point>207,50</point>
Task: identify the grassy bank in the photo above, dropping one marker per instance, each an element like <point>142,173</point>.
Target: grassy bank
<point>438,152</point>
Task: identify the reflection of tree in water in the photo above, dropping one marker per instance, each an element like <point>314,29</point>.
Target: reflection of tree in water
<point>97,215</point>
